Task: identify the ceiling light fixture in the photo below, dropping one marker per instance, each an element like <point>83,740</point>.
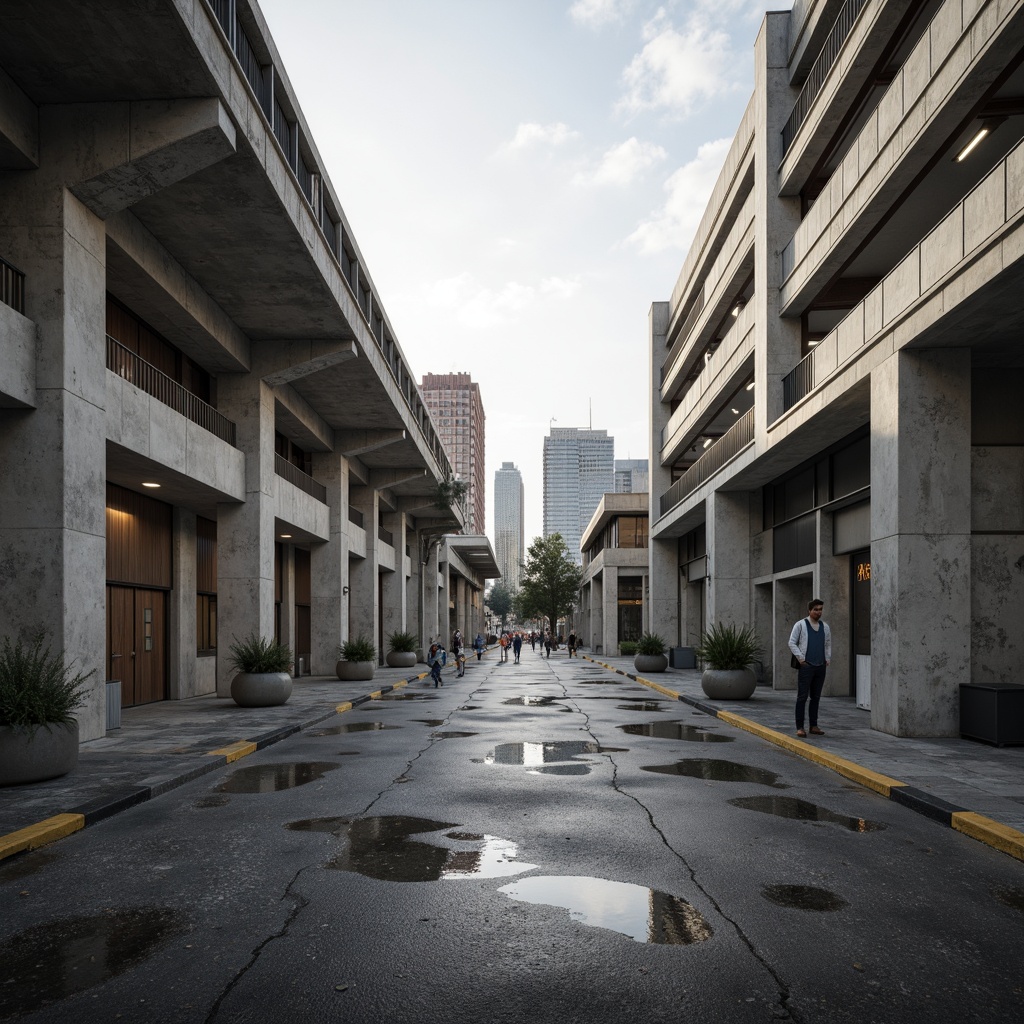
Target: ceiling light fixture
<point>735,412</point>
<point>707,441</point>
<point>286,536</point>
<point>148,483</point>
<point>987,127</point>
<point>750,386</point>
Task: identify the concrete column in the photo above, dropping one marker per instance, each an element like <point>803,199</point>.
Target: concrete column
<point>363,572</point>
<point>245,532</point>
<point>430,598</point>
<point>832,585</point>
<point>329,568</point>
<point>287,585</point>
<point>414,583</point>
<point>791,597</point>
<point>728,534</point>
<point>182,679</point>
<point>610,609</point>
<point>53,457</point>
<point>920,540</point>
<point>597,614</point>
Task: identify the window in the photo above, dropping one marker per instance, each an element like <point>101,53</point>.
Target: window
<point>206,624</point>
<point>632,531</point>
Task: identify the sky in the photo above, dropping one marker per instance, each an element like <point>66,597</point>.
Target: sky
<point>524,178</point>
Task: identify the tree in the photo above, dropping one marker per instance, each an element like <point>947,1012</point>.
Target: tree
<point>500,602</point>
<point>551,580</point>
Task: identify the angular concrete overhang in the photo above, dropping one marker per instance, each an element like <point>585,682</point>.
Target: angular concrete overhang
<point>474,557</point>
<point>611,505</point>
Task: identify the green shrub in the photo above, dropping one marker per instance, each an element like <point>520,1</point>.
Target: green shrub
<point>259,654</point>
<point>627,648</point>
<point>358,648</point>
<point>728,647</point>
<point>37,687</point>
<point>650,644</point>
<point>400,642</point>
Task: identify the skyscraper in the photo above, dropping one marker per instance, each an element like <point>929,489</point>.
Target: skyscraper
<point>458,412</point>
<point>577,472</point>
<point>630,476</point>
<point>509,535</point>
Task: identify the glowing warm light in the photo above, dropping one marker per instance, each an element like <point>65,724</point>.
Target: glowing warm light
<point>147,483</point>
<point>982,132</point>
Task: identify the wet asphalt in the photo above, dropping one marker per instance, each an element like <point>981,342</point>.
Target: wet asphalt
<point>547,841</point>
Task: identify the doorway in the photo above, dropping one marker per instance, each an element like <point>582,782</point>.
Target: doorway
<point>137,643</point>
<point>860,627</point>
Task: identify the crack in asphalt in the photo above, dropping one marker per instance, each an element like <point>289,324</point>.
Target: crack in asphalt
<point>783,987</point>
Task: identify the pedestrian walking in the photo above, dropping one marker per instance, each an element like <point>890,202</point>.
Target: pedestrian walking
<point>811,646</point>
<point>504,646</point>
<point>572,643</point>
<point>547,643</point>
<point>436,657</point>
<point>478,645</point>
<point>517,646</point>
<point>533,640</point>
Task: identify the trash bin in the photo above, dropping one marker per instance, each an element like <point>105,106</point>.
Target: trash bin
<point>682,657</point>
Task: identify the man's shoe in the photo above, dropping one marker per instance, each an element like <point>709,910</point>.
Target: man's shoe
<point>816,731</point>
<point>800,732</point>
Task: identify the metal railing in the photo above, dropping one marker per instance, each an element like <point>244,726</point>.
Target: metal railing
<point>155,383</point>
<point>355,516</point>
<point>12,286</point>
<point>290,472</point>
<point>799,381</point>
<point>730,444</point>
<point>820,69</point>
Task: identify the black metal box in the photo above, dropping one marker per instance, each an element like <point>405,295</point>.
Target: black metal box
<point>992,712</point>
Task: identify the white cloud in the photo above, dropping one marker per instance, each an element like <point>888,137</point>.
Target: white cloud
<point>688,190</point>
<point>531,135</point>
<point>561,287</point>
<point>676,70</point>
<point>477,306</point>
<point>621,164</point>
<point>598,13</point>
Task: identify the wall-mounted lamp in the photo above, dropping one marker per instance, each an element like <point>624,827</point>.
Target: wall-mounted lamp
<point>750,386</point>
<point>707,441</point>
<point>344,590</point>
<point>739,305</point>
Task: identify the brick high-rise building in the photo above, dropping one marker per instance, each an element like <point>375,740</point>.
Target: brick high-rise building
<point>454,403</point>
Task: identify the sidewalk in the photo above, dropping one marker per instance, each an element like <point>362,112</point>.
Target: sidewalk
<point>971,786</point>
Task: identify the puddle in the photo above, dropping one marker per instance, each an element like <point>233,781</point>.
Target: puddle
<point>347,753</point>
<point>213,800</point>
<point>451,735</point>
<point>804,810</point>
<point>432,722</point>
<point>641,705</point>
<point>532,754</point>
<point>470,707</point>
<point>803,897</point>
<point>599,682</point>
<point>1011,897</point>
<point>382,848</point>
<point>26,864</point>
<point>645,915</point>
<point>675,731</point>
<point>337,730</point>
<point>406,696</point>
<point>562,769</point>
<point>717,771</point>
<point>49,962</point>
<point>271,778</point>
<point>537,702</point>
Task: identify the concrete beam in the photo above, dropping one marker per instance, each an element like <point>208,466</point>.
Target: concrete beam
<point>19,127</point>
<point>359,442</point>
<point>167,141</point>
<point>381,478</point>
<point>293,360</point>
<point>305,425</point>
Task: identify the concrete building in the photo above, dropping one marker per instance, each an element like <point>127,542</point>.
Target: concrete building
<point>836,376</point>
<point>613,596</point>
<point>509,524</point>
<point>458,411</point>
<point>207,425</point>
<point>577,472</point>
<point>631,476</point>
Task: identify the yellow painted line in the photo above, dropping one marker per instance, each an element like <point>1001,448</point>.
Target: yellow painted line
<point>342,708</point>
<point>233,751</point>
<point>404,682</point>
<point>40,834</point>
<point>1001,837</point>
<point>657,686</point>
<point>376,695</point>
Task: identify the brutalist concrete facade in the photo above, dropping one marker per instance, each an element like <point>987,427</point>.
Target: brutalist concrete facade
<point>156,157</point>
<point>835,377</point>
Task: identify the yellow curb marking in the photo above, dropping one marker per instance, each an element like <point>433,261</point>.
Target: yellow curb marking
<point>40,834</point>
<point>1002,837</point>
<point>376,695</point>
<point>342,708</point>
<point>233,751</point>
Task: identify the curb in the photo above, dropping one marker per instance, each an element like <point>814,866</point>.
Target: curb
<point>51,829</point>
<point>977,826</point>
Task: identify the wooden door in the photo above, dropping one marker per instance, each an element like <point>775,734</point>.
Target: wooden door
<point>150,646</point>
<point>120,640</point>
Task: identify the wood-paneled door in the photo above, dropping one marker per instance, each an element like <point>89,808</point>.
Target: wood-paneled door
<point>137,643</point>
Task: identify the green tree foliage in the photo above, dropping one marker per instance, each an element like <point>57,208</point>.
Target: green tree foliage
<point>500,602</point>
<point>551,580</point>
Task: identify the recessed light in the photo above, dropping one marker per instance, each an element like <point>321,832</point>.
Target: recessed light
<point>286,536</point>
<point>735,412</point>
<point>707,441</point>
<point>147,483</point>
<point>750,386</point>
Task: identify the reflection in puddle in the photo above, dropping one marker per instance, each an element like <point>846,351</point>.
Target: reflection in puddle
<point>804,810</point>
<point>717,771</point>
<point>271,778</point>
<point>451,735</point>
<point>599,682</point>
<point>532,754</point>
<point>25,865</point>
<point>470,707</point>
<point>641,705</point>
<point>562,769</point>
<point>675,731</point>
<point>643,914</point>
<point>803,897</point>
<point>213,800</point>
<point>536,702</point>
<point>337,730</point>
<point>432,722</point>
<point>49,962</point>
<point>381,848</point>
<point>407,696</point>
<point>1011,897</point>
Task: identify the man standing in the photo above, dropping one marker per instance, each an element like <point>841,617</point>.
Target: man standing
<point>517,645</point>
<point>811,645</point>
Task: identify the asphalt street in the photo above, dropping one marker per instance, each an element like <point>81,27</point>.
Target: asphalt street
<point>545,841</point>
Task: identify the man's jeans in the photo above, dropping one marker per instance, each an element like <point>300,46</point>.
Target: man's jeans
<point>810,679</point>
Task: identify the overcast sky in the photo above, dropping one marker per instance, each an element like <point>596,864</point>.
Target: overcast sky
<point>524,178</point>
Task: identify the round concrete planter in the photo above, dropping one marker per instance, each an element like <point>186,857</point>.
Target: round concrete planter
<point>352,670</point>
<point>650,662</point>
<point>401,659</point>
<point>728,683</point>
<point>261,689</point>
<point>46,752</point>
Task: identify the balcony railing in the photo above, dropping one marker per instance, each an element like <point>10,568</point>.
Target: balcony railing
<point>12,286</point>
<point>799,382</point>
<point>819,72</point>
<point>290,472</point>
<point>729,445</point>
<point>158,385</point>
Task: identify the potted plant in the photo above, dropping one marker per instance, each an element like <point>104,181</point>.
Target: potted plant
<point>650,654</point>
<point>627,648</point>
<point>402,648</point>
<point>358,659</point>
<point>39,692</point>
<point>263,678</point>
<point>728,651</point>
